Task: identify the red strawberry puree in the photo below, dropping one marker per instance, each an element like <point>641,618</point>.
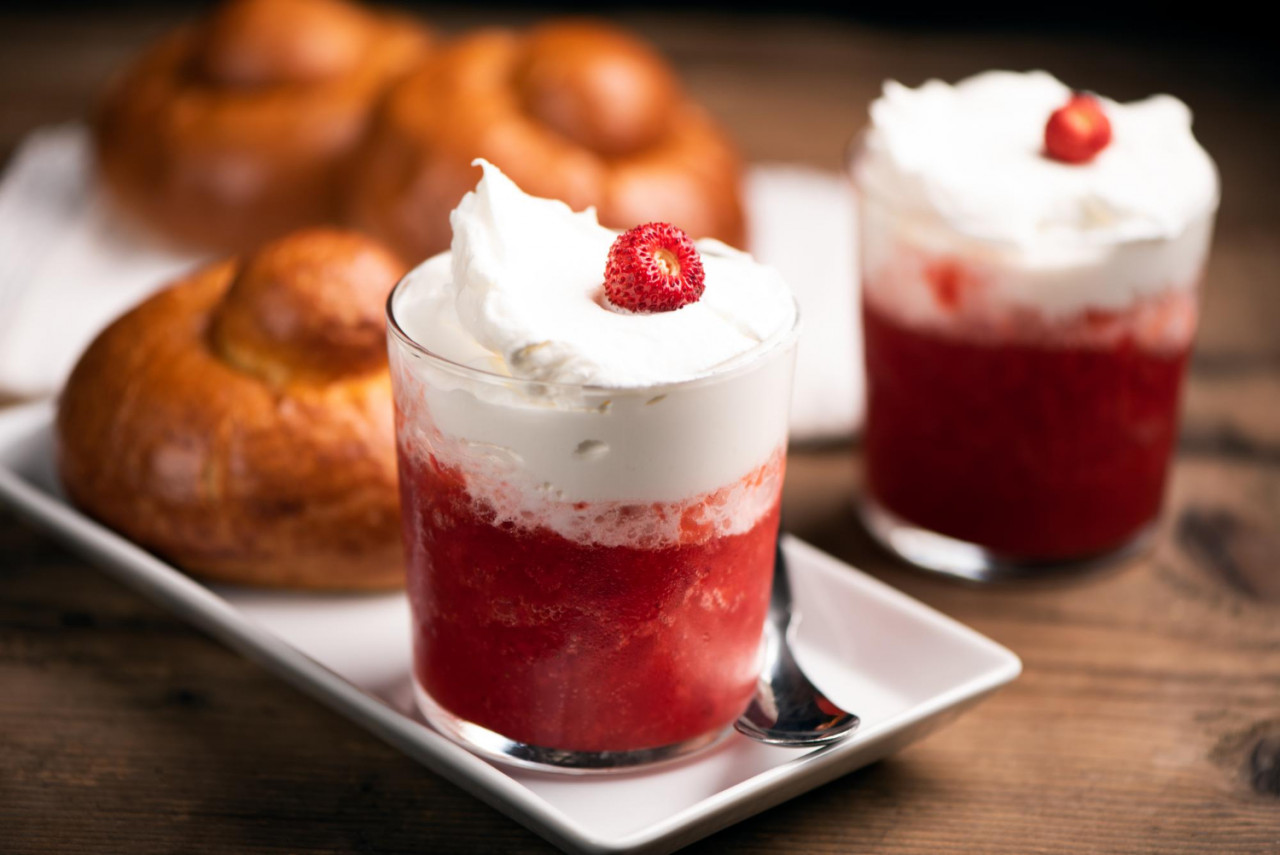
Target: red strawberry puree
<point>580,646</point>
<point>1037,440</point>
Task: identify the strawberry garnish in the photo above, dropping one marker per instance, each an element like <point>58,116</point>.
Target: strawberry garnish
<point>1077,131</point>
<point>653,268</point>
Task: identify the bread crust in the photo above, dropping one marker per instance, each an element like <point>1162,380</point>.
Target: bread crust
<point>571,110</point>
<point>241,128</point>
<point>196,426</point>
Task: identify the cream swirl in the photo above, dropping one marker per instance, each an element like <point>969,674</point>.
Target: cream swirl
<point>520,296</point>
<point>524,298</point>
<point>972,154</point>
<point>959,172</point>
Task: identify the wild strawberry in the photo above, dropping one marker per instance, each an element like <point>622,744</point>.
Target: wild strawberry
<point>1077,131</point>
<point>653,268</point>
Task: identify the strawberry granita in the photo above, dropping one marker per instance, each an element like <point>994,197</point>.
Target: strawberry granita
<point>592,439</point>
<point>1051,446</point>
<point>1031,266</point>
<point>579,644</point>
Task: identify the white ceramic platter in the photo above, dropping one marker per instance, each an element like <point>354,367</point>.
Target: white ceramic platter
<point>903,667</point>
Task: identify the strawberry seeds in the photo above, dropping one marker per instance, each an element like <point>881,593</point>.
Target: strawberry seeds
<point>654,267</point>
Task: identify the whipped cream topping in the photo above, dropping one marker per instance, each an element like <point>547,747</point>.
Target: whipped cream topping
<point>633,456</point>
<point>971,155</point>
<point>524,298</point>
<point>956,177</point>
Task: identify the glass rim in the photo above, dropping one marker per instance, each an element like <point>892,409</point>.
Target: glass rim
<point>737,366</point>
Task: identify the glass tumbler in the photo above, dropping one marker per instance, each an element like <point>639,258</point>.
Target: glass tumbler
<point>588,568</point>
<point>1004,436</point>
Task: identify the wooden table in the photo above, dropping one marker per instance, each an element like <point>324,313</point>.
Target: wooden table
<point>1148,717</point>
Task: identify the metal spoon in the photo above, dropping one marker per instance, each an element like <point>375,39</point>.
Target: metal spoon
<point>787,709</point>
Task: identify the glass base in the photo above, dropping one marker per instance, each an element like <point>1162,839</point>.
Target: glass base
<point>929,550</point>
<point>495,746</point>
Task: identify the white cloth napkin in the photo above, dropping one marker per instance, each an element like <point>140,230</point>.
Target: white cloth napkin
<point>68,266</point>
<point>802,221</point>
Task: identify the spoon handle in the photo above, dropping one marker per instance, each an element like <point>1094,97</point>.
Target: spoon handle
<point>780,597</point>
<point>787,708</point>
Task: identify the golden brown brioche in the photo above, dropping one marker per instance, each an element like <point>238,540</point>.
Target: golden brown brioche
<point>240,421</point>
<point>571,110</point>
<point>240,128</point>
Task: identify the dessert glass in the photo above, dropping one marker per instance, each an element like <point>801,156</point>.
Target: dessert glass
<point>588,618</point>
<point>1002,438</point>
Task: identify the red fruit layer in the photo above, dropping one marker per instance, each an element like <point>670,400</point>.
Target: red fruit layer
<point>1036,451</point>
<point>576,646</point>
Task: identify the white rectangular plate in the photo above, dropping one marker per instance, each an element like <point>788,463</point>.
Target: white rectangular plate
<point>903,667</point>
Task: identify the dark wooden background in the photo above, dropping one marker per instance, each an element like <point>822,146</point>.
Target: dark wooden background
<point>1148,717</point>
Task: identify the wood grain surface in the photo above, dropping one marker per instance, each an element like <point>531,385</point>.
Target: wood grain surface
<point>1148,716</point>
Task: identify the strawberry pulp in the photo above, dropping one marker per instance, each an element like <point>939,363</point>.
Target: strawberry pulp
<point>578,646</point>
<point>1034,450</point>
